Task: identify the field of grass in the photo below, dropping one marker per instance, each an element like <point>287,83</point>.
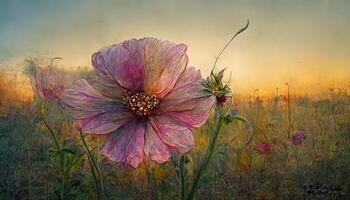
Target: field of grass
<point>318,168</point>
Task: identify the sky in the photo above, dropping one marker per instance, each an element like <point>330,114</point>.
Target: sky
<point>305,43</point>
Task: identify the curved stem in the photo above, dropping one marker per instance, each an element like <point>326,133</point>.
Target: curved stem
<point>100,166</point>
<point>227,44</point>
<point>179,166</point>
<point>95,180</point>
<point>93,165</point>
<point>58,148</point>
<point>89,152</point>
<point>52,134</point>
<point>209,153</point>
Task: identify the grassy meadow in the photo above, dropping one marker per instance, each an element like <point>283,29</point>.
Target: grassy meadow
<point>318,168</point>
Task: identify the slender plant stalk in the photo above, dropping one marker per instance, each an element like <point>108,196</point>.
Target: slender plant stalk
<point>209,152</point>
<point>182,177</point>
<point>95,179</point>
<point>277,96</point>
<point>93,166</point>
<point>179,166</point>
<point>52,134</point>
<point>100,166</point>
<point>228,44</point>
<point>289,114</point>
<point>214,132</point>
<point>58,148</point>
<point>63,183</point>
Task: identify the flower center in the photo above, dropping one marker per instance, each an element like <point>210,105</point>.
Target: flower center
<point>141,103</point>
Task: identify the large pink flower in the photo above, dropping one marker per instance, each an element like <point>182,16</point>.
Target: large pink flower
<point>144,96</point>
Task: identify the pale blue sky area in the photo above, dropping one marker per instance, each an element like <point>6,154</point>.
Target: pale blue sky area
<point>293,40</point>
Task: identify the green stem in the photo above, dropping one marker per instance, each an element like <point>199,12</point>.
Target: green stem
<point>93,165</point>
<point>58,147</point>
<point>209,153</point>
<point>228,43</point>
<point>289,114</point>
<point>52,134</point>
<point>182,177</point>
<point>95,180</point>
<point>100,166</point>
<point>63,182</point>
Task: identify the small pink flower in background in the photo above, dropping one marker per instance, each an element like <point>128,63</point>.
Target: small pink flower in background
<point>144,96</point>
<point>285,99</point>
<point>46,82</point>
<point>298,137</point>
<point>263,147</point>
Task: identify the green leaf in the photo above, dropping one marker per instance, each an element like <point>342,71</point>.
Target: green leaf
<point>229,117</point>
<point>53,151</point>
<point>67,150</point>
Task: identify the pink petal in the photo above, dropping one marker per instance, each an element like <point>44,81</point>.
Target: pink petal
<point>174,134</point>
<point>126,144</point>
<point>148,64</point>
<point>155,148</point>
<point>104,123</point>
<point>100,114</point>
<point>120,66</point>
<point>107,87</point>
<point>165,63</point>
<point>188,102</point>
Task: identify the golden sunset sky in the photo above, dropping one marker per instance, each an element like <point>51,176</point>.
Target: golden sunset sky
<point>304,42</point>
